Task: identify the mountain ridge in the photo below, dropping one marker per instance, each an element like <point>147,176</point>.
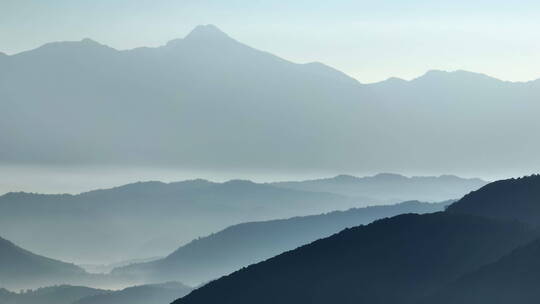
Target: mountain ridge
<point>152,214</point>
<point>390,187</point>
<point>212,31</point>
<point>244,91</point>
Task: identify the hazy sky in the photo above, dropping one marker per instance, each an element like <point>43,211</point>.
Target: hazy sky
<point>369,40</point>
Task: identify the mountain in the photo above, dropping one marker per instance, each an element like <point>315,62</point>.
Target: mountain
<point>396,260</point>
<point>174,89</point>
<point>148,219</point>
<point>64,294</point>
<point>391,187</point>
<point>221,253</point>
<point>512,279</point>
<point>145,294</point>
<point>22,268</point>
<point>511,199</point>
<point>209,101</point>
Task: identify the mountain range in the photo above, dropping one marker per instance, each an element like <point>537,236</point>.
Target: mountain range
<point>208,101</point>
<point>390,188</point>
<point>467,254</point>
<point>482,247</point>
<point>149,219</point>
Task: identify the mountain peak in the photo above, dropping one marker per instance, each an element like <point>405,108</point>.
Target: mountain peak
<point>206,32</point>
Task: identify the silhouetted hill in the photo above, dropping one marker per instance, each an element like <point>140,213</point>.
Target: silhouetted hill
<point>145,294</point>
<point>391,187</point>
<point>397,260</point>
<point>512,279</point>
<point>238,246</point>
<point>265,112</point>
<point>155,217</point>
<point>511,199</point>
<point>19,267</point>
<point>64,294</point>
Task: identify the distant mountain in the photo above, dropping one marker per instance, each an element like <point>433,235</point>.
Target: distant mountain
<point>175,90</point>
<point>64,294</point>
<point>150,218</point>
<point>209,101</point>
<point>512,279</point>
<point>397,260</point>
<point>145,294</point>
<point>22,268</point>
<point>221,253</point>
<point>511,199</point>
<point>391,187</point>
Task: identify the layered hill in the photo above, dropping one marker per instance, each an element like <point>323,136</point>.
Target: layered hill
<point>149,218</point>
<point>468,254</point>
<point>221,253</point>
<point>397,260</point>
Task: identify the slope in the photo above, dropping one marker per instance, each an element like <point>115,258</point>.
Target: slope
<point>238,246</point>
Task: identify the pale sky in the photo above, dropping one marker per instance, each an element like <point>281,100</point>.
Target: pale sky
<point>369,40</point>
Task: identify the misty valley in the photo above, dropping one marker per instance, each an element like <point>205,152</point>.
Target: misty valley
<point>446,251</point>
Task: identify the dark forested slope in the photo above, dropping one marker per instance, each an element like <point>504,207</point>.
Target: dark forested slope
<point>397,260</point>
